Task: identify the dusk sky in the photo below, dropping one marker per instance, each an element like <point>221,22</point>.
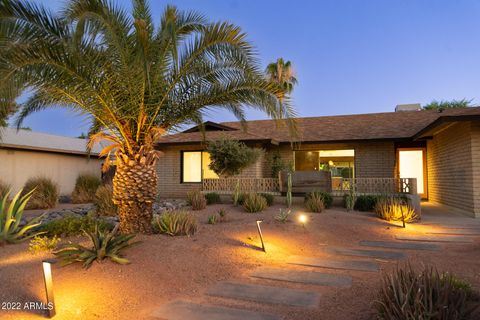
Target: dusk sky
<point>349,56</point>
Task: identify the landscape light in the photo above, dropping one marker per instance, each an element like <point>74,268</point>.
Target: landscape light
<point>260,233</point>
<point>47,277</point>
<point>303,219</point>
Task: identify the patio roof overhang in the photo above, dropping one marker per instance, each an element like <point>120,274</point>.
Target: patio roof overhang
<point>441,124</point>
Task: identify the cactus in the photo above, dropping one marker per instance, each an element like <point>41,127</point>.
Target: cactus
<point>289,190</point>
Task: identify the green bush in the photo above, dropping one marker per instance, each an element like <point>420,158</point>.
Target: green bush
<point>366,202</point>
<point>105,244</point>
<point>314,202</point>
<point>326,197</point>
<point>11,216</point>
<point>407,294</point>
<point>45,195</point>
<point>212,198</point>
<point>229,157</point>
<point>85,187</point>
<point>254,203</point>
<point>395,209</point>
<point>43,244</point>
<point>197,200</point>
<point>269,197</point>
<point>176,223</point>
<point>71,225</point>
<point>103,201</point>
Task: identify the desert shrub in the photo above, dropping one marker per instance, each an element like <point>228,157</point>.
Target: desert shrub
<point>105,244</point>
<point>395,209</point>
<point>407,294</point>
<point>366,203</point>
<point>176,223</point>
<point>314,203</point>
<point>283,215</point>
<point>103,201</point>
<point>197,200</point>
<point>43,244</point>
<point>325,196</point>
<point>85,187</point>
<point>212,198</point>
<point>71,225</point>
<point>11,216</point>
<point>229,157</point>
<point>4,189</point>
<point>212,219</point>
<point>349,200</point>
<point>269,197</point>
<point>254,203</point>
<point>45,195</point>
<point>238,198</point>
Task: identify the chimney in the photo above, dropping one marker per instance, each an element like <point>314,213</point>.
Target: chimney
<point>408,107</point>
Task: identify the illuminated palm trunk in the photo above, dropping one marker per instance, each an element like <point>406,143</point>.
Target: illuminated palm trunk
<point>134,191</point>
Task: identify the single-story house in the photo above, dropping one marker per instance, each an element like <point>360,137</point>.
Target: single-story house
<point>26,154</point>
<point>440,149</point>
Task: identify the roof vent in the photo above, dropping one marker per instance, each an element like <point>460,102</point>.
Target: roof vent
<point>408,107</point>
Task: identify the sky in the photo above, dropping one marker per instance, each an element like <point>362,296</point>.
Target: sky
<point>350,57</point>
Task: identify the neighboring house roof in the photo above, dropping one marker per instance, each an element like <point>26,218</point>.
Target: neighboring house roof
<point>30,140</point>
<point>358,127</point>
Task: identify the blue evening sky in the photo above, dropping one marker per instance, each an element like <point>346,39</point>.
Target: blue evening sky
<point>353,56</point>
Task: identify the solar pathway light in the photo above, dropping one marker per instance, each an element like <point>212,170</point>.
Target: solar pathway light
<point>260,233</point>
<point>47,277</point>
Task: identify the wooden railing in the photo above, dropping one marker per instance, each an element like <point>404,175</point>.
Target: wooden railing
<point>227,185</point>
<point>342,186</point>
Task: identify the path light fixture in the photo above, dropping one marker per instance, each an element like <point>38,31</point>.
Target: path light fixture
<point>47,277</point>
<point>303,219</point>
<point>260,233</point>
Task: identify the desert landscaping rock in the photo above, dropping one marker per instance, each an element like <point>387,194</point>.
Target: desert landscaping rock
<point>433,238</point>
<point>366,253</point>
<point>400,245</point>
<point>308,277</point>
<point>183,310</point>
<point>335,264</point>
<point>265,294</point>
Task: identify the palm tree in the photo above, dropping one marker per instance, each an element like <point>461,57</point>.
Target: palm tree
<point>282,73</point>
<point>134,79</point>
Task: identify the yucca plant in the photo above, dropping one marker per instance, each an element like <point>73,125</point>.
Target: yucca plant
<point>105,245</point>
<point>314,202</point>
<point>135,80</point>
<point>254,203</point>
<point>176,223</point>
<point>197,200</point>
<point>11,216</point>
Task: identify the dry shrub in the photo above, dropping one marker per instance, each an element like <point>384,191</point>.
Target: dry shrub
<point>85,188</point>
<point>314,202</point>
<point>176,223</point>
<point>45,195</point>
<point>197,200</point>
<point>254,203</point>
<point>395,209</point>
<point>104,201</point>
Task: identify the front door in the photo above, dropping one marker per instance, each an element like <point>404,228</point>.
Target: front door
<point>412,164</point>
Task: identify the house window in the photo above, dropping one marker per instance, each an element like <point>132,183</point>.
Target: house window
<point>195,166</point>
<point>339,162</point>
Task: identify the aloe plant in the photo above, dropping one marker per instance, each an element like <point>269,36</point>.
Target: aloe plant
<point>11,216</point>
<point>105,245</point>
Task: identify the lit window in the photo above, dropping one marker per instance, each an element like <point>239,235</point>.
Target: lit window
<point>195,166</point>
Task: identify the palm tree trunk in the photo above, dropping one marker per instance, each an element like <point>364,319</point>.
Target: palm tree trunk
<point>134,191</point>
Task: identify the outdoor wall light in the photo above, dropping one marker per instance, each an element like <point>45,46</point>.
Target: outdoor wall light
<point>47,277</point>
<point>260,233</point>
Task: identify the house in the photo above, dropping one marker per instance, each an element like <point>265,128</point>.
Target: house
<point>26,154</point>
<point>440,150</point>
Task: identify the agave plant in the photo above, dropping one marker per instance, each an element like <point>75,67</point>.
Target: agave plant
<point>105,245</point>
<point>11,216</point>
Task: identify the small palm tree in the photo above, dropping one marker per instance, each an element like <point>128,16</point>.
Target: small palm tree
<point>136,80</point>
<point>282,73</point>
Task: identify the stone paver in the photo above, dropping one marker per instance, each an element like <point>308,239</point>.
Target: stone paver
<point>433,238</point>
<point>400,245</point>
<point>265,294</point>
<point>366,253</point>
<point>308,277</point>
<point>334,264</point>
<point>456,231</point>
<point>183,310</point>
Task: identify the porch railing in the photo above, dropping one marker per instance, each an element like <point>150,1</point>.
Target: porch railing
<point>341,186</point>
<point>227,185</point>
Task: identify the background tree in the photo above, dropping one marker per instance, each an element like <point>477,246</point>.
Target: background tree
<point>437,105</point>
<point>281,72</point>
<point>135,79</point>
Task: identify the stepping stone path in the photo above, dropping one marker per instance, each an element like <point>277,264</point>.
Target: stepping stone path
<point>308,277</point>
<point>433,238</point>
<point>265,294</point>
<point>366,253</point>
<point>334,264</point>
<point>457,231</point>
<point>182,310</point>
<point>400,245</point>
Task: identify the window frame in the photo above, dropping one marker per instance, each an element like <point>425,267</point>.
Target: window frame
<point>181,167</point>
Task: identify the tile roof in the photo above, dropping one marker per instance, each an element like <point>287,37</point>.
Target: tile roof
<point>371,126</point>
